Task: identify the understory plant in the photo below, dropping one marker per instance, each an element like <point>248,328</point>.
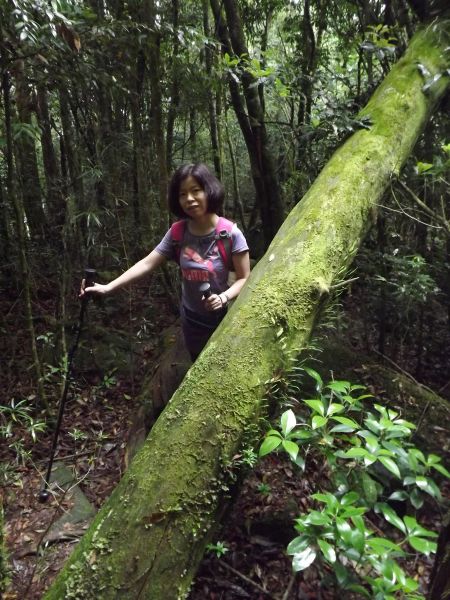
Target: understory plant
<point>373,467</point>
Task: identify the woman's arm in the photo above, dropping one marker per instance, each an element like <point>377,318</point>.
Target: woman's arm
<point>137,271</point>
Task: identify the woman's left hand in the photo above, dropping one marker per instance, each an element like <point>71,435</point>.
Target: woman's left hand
<point>213,302</point>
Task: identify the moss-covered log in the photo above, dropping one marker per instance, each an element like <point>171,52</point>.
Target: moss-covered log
<point>150,535</point>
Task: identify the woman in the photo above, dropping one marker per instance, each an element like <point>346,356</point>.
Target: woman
<point>196,196</point>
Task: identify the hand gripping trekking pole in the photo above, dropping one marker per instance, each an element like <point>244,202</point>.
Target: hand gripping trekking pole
<point>89,275</point>
<point>205,289</point>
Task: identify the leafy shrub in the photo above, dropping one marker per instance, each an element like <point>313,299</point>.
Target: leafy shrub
<point>372,463</point>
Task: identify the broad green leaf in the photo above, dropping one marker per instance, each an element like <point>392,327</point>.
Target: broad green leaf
<point>327,550</point>
<point>349,498</point>
<point>300,462</point>
<point>269,445</point>
<point>317,518</point>
<point>329,499</point>
<point>344,530</point>
<point>315,375</point>
<point>288,422</point>
<point>339,386</point>
<point>442,470</point>
<point>356,453</point>
<point>342,429</point>
<point>369,488</point>
<point>390,465</point>
<point>358,522</point>
<point>391,516</point>
<point>273,432</point>
<point>302,560</point>
<point>399,495</point>
<point>358,540</point>
<point>334,408</point>
<point>346,421</point>
<point>382,545</point>
<point>291,448</point>
<point>318,422</point>
<point>416,498</point>
<point>414,528</point>
<point>316,405</point>
<point>298,544</point>
<point>302,435</point>
<point>422,545</point>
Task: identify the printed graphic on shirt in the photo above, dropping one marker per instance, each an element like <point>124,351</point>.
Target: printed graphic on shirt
<point>204,271</point>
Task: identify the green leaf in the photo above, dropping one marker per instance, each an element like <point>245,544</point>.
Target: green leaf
<point>442,470</point>
<point>390,465</point>
<point>339,386</point>
<point>298,544</point>
<point>317,518</point>
<point>383,545</point>
<point>318,421</point>
<point>414,528</point>
<point>358,540</point>
<point>391,516</point>
<point>327,550</point>
<point>303,559</point>
<point>291,448</point>
<point>269,445</point>
<point>346,421</point>
<point>316,405</point>
<point>344,530</point>
<point>421,545</point>
<point>416,498</point>
<point>342,429</point>
<point>335,408</point>
<point>349,498</point>
<point>301,434</point>
<point>315,375</point>
<point>369,488</point>
<point>288,422</point>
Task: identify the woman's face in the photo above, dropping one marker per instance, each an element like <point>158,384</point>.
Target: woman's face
<point>192,198</point>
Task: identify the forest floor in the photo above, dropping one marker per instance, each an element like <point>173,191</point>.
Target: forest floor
<point>248,559</point>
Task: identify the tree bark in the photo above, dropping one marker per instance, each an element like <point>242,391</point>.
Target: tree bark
<point>440,576</point>
<point>169,500</point>
<point>251,121</point>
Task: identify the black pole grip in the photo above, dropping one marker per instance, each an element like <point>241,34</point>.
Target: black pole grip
<point>205,289</point>
<point>89,277</point>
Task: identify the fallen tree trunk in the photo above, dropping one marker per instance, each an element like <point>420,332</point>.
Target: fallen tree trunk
<point>149,537</point>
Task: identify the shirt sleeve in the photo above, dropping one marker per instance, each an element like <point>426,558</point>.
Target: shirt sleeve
<point>238,241</point>
<point>166,246</point>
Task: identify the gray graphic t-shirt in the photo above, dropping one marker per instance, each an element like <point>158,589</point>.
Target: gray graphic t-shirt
<point>200,261</point>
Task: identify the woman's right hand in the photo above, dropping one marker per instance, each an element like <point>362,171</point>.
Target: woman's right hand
<point>95,288</point>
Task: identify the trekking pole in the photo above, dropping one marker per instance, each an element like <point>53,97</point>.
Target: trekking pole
<point>205,289</point>
<point>89,275</point>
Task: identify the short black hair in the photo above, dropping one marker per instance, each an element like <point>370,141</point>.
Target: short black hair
<point>211,185</point>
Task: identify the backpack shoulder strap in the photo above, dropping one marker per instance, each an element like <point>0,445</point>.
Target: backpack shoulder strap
<point>177,232</point>
<point>224,228</point>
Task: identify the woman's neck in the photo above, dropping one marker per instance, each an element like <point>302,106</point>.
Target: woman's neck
<point>203,224</point>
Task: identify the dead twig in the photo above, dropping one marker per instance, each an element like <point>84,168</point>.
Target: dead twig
<point>247,580</point>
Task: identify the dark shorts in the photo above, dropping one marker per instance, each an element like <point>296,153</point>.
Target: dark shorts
<point>197,329</point>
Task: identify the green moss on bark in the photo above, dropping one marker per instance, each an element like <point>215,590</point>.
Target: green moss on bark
<point>160,517</point>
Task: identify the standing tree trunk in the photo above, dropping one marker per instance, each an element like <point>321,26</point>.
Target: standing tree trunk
<point>251,122</point>
<point>21,238</point>
<point>170,498</point>
<point>25,152</point>
<point>440,577</point>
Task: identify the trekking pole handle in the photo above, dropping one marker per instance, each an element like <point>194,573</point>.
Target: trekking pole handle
<point>205,289</point>
<point>89,276</point>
